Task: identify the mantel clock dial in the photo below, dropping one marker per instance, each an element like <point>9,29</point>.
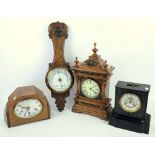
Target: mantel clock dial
<point>25,105</point>
<point>28,108</point>
<point>59,78</point>
<point>130,107</point>
<point>93,77</point>
<point>90,88</point>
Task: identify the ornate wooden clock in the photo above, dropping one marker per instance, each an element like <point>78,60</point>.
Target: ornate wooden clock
<point>93,76</point>
<point>59,78</point>
<point>130,107</point>
<point>25,105</point>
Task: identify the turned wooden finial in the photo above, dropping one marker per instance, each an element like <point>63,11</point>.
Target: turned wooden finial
<point>105,65</point>
<point>95,49</point>
<point>76,62</point>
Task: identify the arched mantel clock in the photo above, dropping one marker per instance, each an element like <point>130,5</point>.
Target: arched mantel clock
<point>59,78</point>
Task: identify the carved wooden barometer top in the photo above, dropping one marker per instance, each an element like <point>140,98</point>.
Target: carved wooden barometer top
<point>59,78</point>
<point>93,76</point>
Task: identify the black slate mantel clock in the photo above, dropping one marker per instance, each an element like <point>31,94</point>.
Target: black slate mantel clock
<point>130,107</point>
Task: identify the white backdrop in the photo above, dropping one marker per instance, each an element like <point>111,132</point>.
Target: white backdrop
<point>25,48</point>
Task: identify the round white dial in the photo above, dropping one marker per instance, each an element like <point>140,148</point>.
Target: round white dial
<point>90,88</point>
<point>28,108</point>
<point>59,79</point>
<point>130,102</point>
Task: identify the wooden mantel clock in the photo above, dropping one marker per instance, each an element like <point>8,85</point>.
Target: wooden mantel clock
<point>59,78</point>
<point>93,76</point>
<point>26,105</point>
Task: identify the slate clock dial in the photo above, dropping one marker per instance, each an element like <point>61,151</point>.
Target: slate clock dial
<point>130,107</point>
<point>26,105</point>
<point>130,102</point>
<point>59,78</point>
<point>90,88</point>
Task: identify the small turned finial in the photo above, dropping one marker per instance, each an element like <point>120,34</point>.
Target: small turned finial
<point>105,65</point>
<point>76,62</point>
<point>95,49</point>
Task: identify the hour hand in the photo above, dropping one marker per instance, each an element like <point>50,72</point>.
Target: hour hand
<point>27,109</point>
<point>24,107</point>
<point>94,91</point>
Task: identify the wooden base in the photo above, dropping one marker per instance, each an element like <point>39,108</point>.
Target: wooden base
<point>92,110</point>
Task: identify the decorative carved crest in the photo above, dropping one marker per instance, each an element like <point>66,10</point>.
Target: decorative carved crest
<point>58,29</point>
<point>60,100</point>
<point>94,64</point>
<point>90,62</point>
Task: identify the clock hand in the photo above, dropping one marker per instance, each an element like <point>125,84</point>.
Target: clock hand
<point>36,109</point>
<point>27,109</point>
<point>93,87</point>
<point>130,99</point>
<point>125,102</point>
<point>60,80</point>
<point>94,91</point>
<point>24,107</point>
<point>59,74</point>
<point>134,104</point>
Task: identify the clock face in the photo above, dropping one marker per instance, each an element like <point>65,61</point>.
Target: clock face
<point>59,79</point>
<point>28,108</point>
<point>130,102</point>
<point>90,88</point>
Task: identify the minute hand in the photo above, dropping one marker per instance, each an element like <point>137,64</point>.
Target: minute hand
<point>92,87</point>
<point>27,109</point>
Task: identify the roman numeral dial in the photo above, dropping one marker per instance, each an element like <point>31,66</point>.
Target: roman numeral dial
<point>90,88</point>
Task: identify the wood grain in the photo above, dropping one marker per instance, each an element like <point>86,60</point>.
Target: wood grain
<point>58,32</point>
<point>97,69</point>
<point>23,93</point>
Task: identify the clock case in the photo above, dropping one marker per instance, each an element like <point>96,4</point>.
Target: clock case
<point>97,69</point>
<point>58,32</point>
<point>136,121</point>
<point>23,93</point>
